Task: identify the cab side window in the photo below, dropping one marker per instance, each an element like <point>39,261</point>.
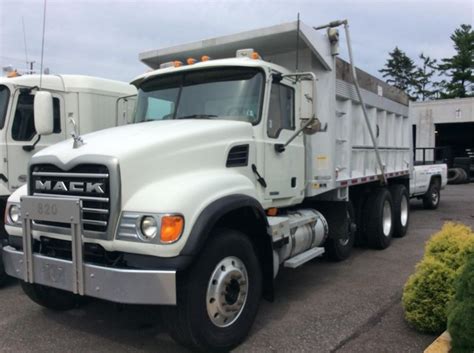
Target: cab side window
<point>281,110</point>
<point>23,128</point>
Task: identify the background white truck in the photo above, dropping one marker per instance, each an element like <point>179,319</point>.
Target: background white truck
<point>237,164</point>
<point>94,103</point>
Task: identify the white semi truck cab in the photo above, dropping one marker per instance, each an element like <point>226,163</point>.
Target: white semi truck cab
<point>93,103</point>
<point>238,162</point>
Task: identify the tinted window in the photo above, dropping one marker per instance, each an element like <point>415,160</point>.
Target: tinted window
<point>281,110</point>
<point>23,128</point>
<point>4,96</point>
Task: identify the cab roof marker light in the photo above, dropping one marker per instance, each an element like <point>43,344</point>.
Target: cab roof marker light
<point>191,61</point>
<point>175,63</point>
<point>247,53</point>
<point>205,58</point>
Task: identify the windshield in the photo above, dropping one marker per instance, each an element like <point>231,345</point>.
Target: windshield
<point>224,93</point>
<point>4,97</point>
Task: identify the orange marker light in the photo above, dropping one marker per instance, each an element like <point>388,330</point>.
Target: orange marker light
<point>205,58</point>
<point>255,55</point>
<point>171,228</point>
<point>191,61</point>
<point>272,211</point>
<point>177,63</point>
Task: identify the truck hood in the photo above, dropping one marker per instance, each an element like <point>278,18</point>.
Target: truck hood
<point>138,140</point>
<point>152,151</point>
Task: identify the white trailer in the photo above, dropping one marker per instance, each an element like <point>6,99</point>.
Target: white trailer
<point>94,104</point>
<point>238,163</point>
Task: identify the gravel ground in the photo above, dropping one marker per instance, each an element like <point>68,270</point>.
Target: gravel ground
<point>353,306</point>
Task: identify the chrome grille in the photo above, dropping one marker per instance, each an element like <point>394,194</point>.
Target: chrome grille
<point>96,206</point>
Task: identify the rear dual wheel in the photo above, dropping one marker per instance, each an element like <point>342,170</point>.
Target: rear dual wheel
<point>378,219</point>
<point>401,209</point>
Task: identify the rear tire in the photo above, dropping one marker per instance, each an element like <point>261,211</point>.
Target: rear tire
<point>339,248</point>
<point>218,298</point>
<point>432,197</point>
<point>51,298</point>
<point>378,219</point>
<point>401,210</point>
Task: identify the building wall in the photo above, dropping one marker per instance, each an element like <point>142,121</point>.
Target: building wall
<point>426,114</point>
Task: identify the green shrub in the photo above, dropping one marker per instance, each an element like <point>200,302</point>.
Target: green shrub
<point>429,290</point>
<point>461,311</point>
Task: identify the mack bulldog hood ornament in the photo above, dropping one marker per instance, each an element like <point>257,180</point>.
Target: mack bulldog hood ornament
<point>78,141</point>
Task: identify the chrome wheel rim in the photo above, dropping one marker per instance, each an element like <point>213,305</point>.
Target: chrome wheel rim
<point>387,218</point>
<point>434,197</point>
<point>404,211</point>
<point>227,291</point>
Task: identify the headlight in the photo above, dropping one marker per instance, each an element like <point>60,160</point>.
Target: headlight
<point>14,214</point>
<point>154,228</point>
<point>148,227</point>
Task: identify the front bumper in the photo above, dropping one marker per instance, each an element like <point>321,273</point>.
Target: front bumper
<point>128,286</point>
<point>121,285</point>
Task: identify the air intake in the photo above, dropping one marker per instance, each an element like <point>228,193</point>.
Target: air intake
<point>238,156</point>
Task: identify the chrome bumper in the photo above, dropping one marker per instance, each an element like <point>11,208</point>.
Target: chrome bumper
<point>129,286</point>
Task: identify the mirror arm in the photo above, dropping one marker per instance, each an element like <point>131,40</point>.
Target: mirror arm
<point>280,147</point>
<point>30,148</point>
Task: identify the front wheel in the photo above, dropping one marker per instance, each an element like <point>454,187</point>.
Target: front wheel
<point>432,197</point>
<point>340,247</point>
<point>218,298</point>
<point>3,275</point>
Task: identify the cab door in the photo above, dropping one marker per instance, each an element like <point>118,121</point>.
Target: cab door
<point>284,171</point>
<point>21,133</point>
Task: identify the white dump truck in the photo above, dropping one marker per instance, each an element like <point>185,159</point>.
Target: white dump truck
<point>239,162</point>
<point>93,103</point>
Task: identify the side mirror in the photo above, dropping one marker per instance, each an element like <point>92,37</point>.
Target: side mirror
<point>43,112</point>
<point>307,103</point>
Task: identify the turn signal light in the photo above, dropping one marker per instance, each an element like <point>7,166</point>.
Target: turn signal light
<point>171,228</point>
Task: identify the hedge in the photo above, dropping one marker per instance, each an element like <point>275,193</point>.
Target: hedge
<point>429,290</point>
<point>461,311</point>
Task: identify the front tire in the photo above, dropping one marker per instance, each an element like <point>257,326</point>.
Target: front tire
<point>340,246</point>
<point>218,298</point>
<point>51,298</point>
<point>378,219</point>
<point>401,210</point>
<point>3,275</point>
<point>432,197</point>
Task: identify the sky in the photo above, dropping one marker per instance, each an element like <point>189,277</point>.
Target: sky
<point>104,38</point>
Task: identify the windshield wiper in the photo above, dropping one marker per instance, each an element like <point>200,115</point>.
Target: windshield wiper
<point>198,116</point>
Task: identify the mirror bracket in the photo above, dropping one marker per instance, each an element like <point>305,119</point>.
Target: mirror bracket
<point>29,148</point>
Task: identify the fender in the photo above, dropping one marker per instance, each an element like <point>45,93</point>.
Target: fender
<point>212,213</point>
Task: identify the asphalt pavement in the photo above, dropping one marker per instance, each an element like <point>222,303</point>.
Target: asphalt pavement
<point>353,306</point>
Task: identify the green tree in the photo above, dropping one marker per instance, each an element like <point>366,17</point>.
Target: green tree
<point>424,86</point>
<point>400,70</point>
<point>459,69</point>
